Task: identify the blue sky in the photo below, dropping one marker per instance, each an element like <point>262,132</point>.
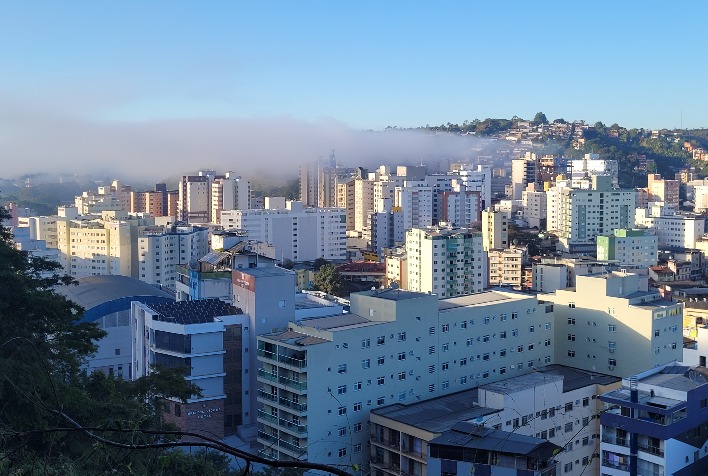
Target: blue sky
<point>85,69</point>
<point>367,64</point>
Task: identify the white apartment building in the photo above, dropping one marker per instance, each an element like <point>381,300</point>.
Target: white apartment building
<point>161,249</point>
<point>549,277</point>
<point>41,228</point>
<point>416,201</point>
<point>612,323</point>
<point>676,231</point>
<point>523,172</point>
<point>229,193</point>
<point>386,229</point>
<point>629,248</point>
<point>193,205</point>
<point>296,233</point>
<point>495,229</point>
<point>585,214</point>
<point>700,199</point>
<point>478,180</point>
<point>556,403</point>
<point>534,208</point>
<point>207,339</point>
<point>591,165</point>
<point>363,202</point>
<point>321,377</point>
<point>460,208</point>
<point>447,262</point>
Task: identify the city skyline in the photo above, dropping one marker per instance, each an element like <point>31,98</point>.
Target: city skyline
<point>152,82</point>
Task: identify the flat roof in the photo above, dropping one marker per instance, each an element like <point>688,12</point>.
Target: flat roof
<point>335,321</point>
<point>393,294</point>
<point>469,435</point>
<point>92,291</point>
<point>265,271</point>
<point>295,338</point>
<point>193,312</point>
<point>573,379</point>
<point>479,299</point>
<point>439,414</point>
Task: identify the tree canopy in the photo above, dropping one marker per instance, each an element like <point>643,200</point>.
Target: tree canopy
<point>330,281</point>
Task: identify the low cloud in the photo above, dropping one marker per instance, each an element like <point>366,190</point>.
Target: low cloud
<point>36,141</point>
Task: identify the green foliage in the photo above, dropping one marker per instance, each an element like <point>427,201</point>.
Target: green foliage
<point>540,118</point>
<point>318,263</point>
<point>330,281</point>
<point>42,347</point>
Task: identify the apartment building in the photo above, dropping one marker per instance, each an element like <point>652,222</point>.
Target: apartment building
<point>672,230</point>
<point>321,377</point>
<point>296,233</point>
<point>629,248</point>
<point>505,266</point>
<point>555,404</point>
<point>591,165</point>
<point>207,339</point>
<point>91,246</point>
<point>160,249</point>
<point>495,229</point>
<point>586,214</point>
<point>534,208</point>
<point>416,201</point>
<point>158,203</point>
<point>614,324</point>
<point>229,193</point>
<point>657,423</point>
<point>448,262</point>
<point>193,204</point>
<point>663,190</point>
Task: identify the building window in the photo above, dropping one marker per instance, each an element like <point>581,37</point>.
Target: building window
<point>445,384</point>
<point>431,387</point>
<point>502,335</point>
<point>342,410</point>
<point>486,320</point>
<point>532,329</point>
<point>357,408</point>
<point>357,386</point>
<point>612,327</point>
<point>514,332</point>
<point>571,353</point>
<point>569,427</point>
<point>469,342</point>
<point>401,356</point>
<point>365,343</point>
<point>401,375</point>
<point>380,400</point>
<point>463,362</point>
<point>569,407</point>
<point>612,362</point>
<point>366,363</point>
<point>673,345</point>
<point>446,347</point>
<point>342,431</point>
<point>431,331</point>
<point>380,380</point>
<point>502,353</point>
<point>656,333</point>
<point>431,349</point>
<point>502,370</point>
<point>446,328</point>
<point>463,325</point>
<point>568,468</point>
<point>547,342</point>
<point>463,380</point>
<point>485,356</point>
<point>445,365</point>
<point>401,336</point>
<point>485,338</point>
<point>380,340</point>
<point>357,448</point>
<point>341,390</point>
<point>571,321</point>
<point>357,426</point>
<point>571,337</point>
<point>342,369</point>
<point>342,452</point>
<point>380,360</point>
<point>431,369</point>
<point>586,401</point>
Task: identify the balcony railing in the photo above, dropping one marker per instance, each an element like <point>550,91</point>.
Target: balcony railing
<point>282,401</point>
<point>613,440</point>
<point>282,444</point>
<point>287,382</point>
<point>294,427</point>
<point>283,359</point>
<point>654,450</point>
<point>620,466</point>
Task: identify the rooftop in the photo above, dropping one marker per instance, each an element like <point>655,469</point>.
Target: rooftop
<point>572,379</point>
<point>335,322</point>
<point>469,435</point>
<point>265,271</point>
<point>92,291</point>
<point>193,312</point>
<point>482,298</point>
<point>393,294</point>
<point>439,414</point>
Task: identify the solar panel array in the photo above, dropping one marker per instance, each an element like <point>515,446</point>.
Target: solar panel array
<point>193,312</point>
